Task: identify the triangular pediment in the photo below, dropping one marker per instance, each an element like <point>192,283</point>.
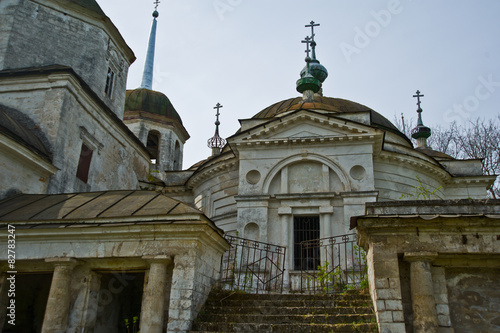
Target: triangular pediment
<point>306,125</point>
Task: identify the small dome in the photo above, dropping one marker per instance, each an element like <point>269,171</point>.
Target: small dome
<point>150,101</point>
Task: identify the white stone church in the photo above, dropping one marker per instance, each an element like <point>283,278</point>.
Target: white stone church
<point>109,226</point>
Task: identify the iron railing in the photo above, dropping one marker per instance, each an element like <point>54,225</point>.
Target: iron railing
<point>253,266</point>
<point>341,265</point>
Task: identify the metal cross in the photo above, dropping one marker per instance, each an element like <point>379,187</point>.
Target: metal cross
<point>218,106</point>
<point>156,3</point>
<point>418,98</point>
<point>307,41</point>
<point>312,25</point>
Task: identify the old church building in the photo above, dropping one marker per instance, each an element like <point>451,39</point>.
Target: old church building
<point>111,227</point>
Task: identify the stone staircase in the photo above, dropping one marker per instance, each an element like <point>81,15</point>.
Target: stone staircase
<point>238,312</point>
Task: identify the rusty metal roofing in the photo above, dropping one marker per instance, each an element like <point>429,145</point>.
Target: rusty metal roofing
<point>60,208</point>
<point>331,105</point>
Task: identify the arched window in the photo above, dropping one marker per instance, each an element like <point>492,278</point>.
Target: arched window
<point>153,146</point>
<point>177,156</point>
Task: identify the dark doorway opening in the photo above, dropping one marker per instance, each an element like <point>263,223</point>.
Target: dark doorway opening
<point>305,228</point>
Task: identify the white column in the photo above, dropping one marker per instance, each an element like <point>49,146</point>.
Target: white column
<point>285,214</point>
<point>153,300</point>
<point>58,303</point>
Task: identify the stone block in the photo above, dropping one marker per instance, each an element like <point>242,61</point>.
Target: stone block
<point>441,298</point>
<point>384,317</point>
<point>387,294</point>
<point>393,305</point>
<point>398,317</point>
<point>444,320</point>
<point>443,309</point>
<point>381,283</point>
<point>392,328</point>
<point>380,305</point>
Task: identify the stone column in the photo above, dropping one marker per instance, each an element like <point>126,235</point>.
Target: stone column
<point>425,318</point>
<point>58,303</point>
<point>285,214</point>
<point>153,299</point>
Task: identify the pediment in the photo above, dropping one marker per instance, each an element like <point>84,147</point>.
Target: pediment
<point>306,125</point>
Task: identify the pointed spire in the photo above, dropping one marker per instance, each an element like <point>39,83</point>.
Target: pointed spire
<point>421,132</point>
<point>147,76</point>
<point>216,142</point>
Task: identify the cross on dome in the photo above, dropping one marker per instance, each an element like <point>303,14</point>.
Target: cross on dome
<point>312,25</point>
<point>418,100</point>
<point>307,41</point>
<point>156,3</point>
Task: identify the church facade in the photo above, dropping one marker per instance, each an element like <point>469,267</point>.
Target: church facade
<point>92,174</point>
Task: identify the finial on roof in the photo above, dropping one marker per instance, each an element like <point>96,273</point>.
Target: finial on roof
<point>421,132</point>
<point>313,74</point>
<point>147,75</point>
<point>216,142</point>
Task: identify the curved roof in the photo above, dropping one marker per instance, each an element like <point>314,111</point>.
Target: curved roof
<point>150,101</point>
<point>20,132</point>
<point>329,104</point>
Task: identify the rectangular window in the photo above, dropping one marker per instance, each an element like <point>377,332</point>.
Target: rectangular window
<point>82,172</point>
<point>305,228</point>
<point>110,80</point>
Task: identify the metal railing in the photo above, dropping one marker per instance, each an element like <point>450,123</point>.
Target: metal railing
<point>253,266</point>
<point>341,265</point>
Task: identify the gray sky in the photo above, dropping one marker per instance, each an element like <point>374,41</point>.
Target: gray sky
<point>247,55</point>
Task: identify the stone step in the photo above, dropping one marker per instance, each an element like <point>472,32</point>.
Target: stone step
<point>229,302</point>
<point>210,319</point>
<point>267,310</point>
<point>289,328</point>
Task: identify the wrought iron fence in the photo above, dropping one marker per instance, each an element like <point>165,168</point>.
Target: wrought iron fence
<point>253,266</point>
<point>340,265</point>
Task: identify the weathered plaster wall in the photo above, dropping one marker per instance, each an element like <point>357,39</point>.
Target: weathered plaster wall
<point>168,158</point>
<point>19,172</point>
<point>72,37</point>
<point>432,273</point>
<point>215,194</point>
<point>68,117</point>
<point>474,299</point>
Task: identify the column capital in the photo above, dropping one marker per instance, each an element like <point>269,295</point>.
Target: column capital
<point>69,262</point>
<point>158,259</point>
<point>420,256</point>
<point>326,209</point>
<point>285,211</point>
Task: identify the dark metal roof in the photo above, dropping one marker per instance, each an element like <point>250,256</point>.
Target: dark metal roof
<point>90,206</point>
<point>150,101</point>
<point>20,132</point>
<point>88,4</point>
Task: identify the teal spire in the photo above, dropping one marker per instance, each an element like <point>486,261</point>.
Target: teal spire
<point>421,132</point>
<point>313,74</point>
<point>147,75</point>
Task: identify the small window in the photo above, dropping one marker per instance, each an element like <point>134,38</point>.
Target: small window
<point>82,172</point>
<point>153,145</point>
<point>305,228</point>
<point>177,156</point>
<point>110,80</point>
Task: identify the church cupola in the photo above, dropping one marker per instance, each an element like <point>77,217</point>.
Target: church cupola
<point>313,74</point>
<point>153,118</point>
<point>420,132</point>
<point>216,142</point>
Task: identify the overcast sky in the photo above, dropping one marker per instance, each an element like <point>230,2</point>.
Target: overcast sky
<point>247,55</point>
